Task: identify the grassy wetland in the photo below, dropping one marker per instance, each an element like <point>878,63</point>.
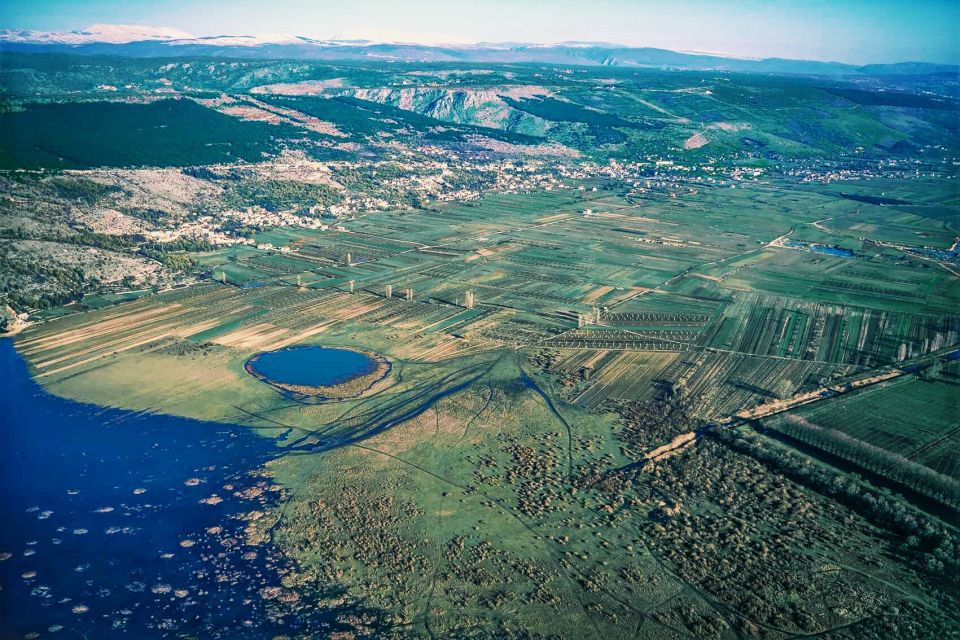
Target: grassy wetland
<point>617,382</point>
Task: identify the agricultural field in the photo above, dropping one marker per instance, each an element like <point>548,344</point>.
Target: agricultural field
<point>917,418</point>
<point>506,408</point>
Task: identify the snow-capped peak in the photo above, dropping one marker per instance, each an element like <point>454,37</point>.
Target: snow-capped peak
<point>109,33</point>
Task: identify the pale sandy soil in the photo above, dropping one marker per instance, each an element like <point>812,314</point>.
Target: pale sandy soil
<point>294,165</point>
<point>251,109</point>
<point>673,447</point>
<point>597,293</point>
<point>169,190</point>
<point>107,266</point>
<point>111,222</point>
<point>554,149</point>
<point>729,126</point>
<point>695,141</point>
<point>305,88</point>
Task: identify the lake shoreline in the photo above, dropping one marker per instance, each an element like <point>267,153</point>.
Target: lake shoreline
<point>352,387</point>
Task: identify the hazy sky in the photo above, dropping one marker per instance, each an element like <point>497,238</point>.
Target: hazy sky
<point>855,31</point>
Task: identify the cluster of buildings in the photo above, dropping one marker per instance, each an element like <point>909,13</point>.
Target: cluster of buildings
<point>443,176</point>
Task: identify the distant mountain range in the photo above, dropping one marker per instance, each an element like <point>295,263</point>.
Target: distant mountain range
<point>140,41</point>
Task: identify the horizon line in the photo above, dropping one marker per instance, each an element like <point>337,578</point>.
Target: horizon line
<point>182,36</point>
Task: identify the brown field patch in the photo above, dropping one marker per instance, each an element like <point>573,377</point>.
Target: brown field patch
<point>695,141</point>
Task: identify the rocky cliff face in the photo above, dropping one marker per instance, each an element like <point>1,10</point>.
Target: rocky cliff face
<point>479,107</point>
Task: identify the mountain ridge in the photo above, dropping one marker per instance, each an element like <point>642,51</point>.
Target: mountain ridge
<point>139,41</point>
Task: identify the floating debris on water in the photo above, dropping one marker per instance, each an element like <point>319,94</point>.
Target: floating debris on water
<point>41,591</point>
<point>269,593</point>
<point>161,588</point>
<point>44,515</point>
<point>186,544</point>
<point>192,482</point>
<point>214,499</point>
<point>26,575</point>
<point>80,532</point>
<point>6,555</point>
<point>138,491</point>
<point>249,493</point>
<point>80,608</point>
<point>104,510</point>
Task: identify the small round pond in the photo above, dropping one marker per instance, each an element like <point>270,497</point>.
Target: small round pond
<point>318,371</point>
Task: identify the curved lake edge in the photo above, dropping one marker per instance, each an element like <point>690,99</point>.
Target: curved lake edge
<point>165,479</point>
<point>353,387</point>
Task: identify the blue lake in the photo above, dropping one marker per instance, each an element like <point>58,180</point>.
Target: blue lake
<point>832,251</point>
<point>312,366</point>
<point>820,248</point>
<point>125,524</point>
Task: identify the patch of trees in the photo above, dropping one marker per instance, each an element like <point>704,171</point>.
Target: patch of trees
<point>888,464</point>
<point>82,190</point>
<point>742,526</point>
<point>172,261</point>
<point>896,99</point>
<point>206,173</point>
<point>173,255</point>
<point>651,423</point>
<point>280,195</point>
<point>180,244</point>
<point>79,135</point>
<point>148,214</point>
<point>238,228</point>
<point>926,541</point>
<point>83,238</point>
<point>59,284</point>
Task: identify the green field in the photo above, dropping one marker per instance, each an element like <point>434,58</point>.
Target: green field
<point>915,418</point>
